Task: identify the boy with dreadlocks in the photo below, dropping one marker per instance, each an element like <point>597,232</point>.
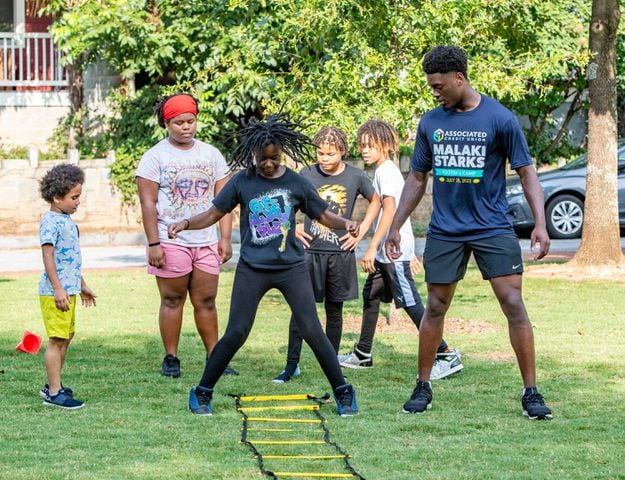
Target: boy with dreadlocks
<point>270,194</point>
<point>389,279</point>
<point>330,253</point>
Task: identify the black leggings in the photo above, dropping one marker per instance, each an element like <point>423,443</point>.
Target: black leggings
<point>334,330</point>
<point>250,285</point>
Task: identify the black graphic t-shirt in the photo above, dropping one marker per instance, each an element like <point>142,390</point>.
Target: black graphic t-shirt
<point>467,152</point>
<point>340,192</point>
<point>268,208</point>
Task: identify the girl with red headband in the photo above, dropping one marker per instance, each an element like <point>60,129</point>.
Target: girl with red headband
<point>178,178</point>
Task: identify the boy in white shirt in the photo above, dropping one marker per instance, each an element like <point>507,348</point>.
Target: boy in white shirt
<point>389,280</point>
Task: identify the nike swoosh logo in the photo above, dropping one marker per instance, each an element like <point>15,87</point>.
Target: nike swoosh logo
<point>514,267</point>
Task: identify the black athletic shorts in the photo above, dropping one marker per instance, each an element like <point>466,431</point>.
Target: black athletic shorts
<point>446,262</point>
<point>391,282</point>
<point>333,275</point>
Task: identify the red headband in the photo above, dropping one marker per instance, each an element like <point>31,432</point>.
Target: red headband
<point>178,105</point>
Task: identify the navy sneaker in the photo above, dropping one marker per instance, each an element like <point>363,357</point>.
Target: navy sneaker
<point>420,400</point>
<point>286,375</point>
<point>63,400</point>
<point>45,391</point>
<point>171,366</point>
<point>534,406</point>
<point>345,397</point>
<point>200,399</point>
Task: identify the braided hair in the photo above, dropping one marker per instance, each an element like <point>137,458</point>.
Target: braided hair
<point>158,108</point>
<point>380,134</point>
<point>278,130</point>
<point>332,136</point>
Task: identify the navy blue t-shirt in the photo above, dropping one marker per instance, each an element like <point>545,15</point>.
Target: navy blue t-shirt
<point>268,208</point>
<point>467,152</point>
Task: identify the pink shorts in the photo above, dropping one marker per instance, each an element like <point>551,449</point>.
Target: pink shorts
<point>181,260</point>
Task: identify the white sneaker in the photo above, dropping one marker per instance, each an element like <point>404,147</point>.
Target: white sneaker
<point>446,364</point>
<point>356,359</point>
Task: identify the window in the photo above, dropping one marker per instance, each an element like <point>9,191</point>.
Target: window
<point>7,14</point>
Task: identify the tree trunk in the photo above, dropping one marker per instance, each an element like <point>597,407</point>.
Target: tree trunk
<point>600,244</point>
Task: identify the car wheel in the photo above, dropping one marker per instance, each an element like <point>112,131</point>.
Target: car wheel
<point>565,217</point>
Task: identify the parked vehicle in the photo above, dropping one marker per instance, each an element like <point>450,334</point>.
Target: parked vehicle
<point>565,192</point>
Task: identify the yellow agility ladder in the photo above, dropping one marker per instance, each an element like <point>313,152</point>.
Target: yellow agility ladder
<point>300,438</point>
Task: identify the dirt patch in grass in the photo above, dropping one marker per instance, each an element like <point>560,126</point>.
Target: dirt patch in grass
<point>400,323</point>
<point>567,271</point>
<point>494,356</point>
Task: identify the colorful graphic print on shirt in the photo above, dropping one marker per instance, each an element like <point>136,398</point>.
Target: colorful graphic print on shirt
<point>190,186</point>
<point>459,156</point>
<point>336,197</point>
<point>270,217</point>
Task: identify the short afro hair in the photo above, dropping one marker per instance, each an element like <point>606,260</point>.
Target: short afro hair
<point>444,59</point>
<point>60,180</point>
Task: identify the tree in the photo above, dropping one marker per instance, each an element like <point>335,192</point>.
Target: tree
<point>340,62</point>
<point>600,238</point>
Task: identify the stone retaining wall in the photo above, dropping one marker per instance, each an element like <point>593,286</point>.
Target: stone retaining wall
<point>101,210</point>
<point>101,214</point>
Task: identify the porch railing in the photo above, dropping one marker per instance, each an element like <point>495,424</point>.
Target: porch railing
<point>30,60</point>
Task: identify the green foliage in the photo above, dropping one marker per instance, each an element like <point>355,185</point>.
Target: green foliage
<point>338,62</point>
<point>11,153</point>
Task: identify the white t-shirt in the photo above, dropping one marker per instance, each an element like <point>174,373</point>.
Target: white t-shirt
<point>186,180</point>
<point>389,182</point>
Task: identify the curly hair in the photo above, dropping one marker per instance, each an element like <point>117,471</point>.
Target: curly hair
<point>444,59</point>
<point>158,108</point>
<point>382,135</point>
<point>60,180</point>
<point>332,136</point>
<point>278,130</point>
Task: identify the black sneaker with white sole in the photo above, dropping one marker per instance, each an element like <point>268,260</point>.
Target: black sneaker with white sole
<point>420,400</point>
<point>534,406</point>
<point>171,366</point>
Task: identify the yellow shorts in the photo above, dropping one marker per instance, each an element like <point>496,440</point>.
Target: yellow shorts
<point>58,324</point>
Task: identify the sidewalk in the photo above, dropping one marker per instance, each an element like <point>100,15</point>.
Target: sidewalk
<point>14,260</point>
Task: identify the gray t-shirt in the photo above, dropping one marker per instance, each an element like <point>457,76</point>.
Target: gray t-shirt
<point>186,180</point>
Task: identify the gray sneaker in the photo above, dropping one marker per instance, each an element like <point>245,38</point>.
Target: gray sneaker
<point>356,359</point>
<point>446,364</point>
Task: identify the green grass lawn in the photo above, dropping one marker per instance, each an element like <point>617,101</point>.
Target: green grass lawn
<point>136,424</point>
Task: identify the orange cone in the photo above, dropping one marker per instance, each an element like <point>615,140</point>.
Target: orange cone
<point>30,343</point>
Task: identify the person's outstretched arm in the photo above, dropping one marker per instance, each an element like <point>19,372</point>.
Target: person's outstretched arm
<point>411,195</point>
<point>332,220</point>
<point>197,222</point>
<point>534,194</point>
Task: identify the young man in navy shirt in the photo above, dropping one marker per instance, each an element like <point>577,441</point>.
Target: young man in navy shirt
<point>466,142</point>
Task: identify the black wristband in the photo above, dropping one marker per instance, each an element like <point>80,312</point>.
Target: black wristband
<point>154,244</point>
